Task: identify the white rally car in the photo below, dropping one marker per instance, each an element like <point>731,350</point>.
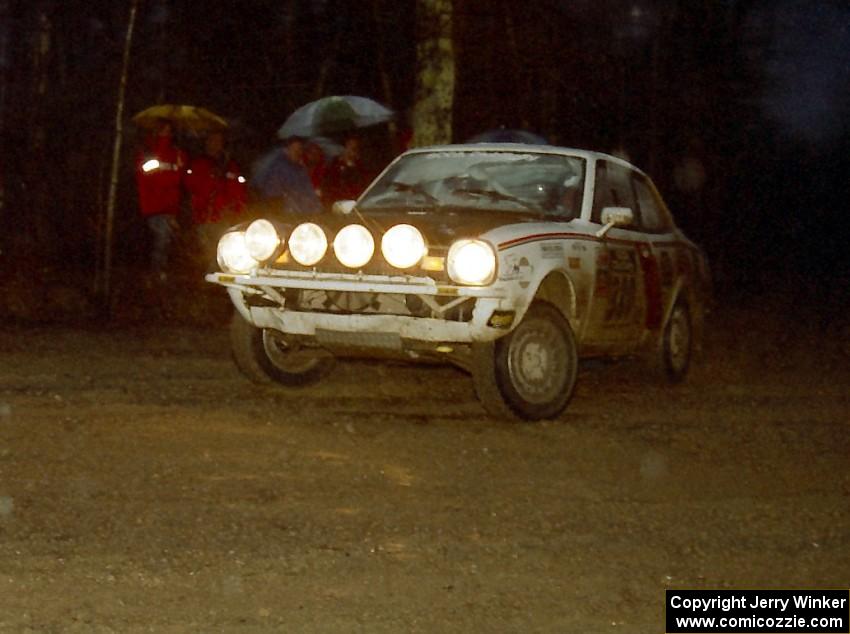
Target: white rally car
<point>510,261</point>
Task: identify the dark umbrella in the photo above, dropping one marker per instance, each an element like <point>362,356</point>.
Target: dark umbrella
<point>503,135</point>
<point>334,115</point>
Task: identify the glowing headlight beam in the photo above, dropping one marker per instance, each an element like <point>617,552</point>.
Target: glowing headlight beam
<point>262,240</point>
<point>472,262</point>
<point>308,243</point>
<point>354,246</point>
<point>403,246</point>
<point>232,253</point>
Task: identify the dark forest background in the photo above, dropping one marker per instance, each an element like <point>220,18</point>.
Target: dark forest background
<point>669,82</point>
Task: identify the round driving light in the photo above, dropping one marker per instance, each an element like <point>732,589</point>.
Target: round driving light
<point>403,246</point>
<point>261,240</point>
<point>308,244</point>
<point>354,246</point>
<point>471,262</point>
<point>232,253</point>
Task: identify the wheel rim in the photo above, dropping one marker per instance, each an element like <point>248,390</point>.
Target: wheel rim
<point>679,340</point>
<point>537,361</point>
<point>288,357</point>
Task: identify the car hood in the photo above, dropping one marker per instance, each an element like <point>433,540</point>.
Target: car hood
<point>439,228</point>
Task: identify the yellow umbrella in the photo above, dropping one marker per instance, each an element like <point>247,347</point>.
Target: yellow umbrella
<point>188,118</point>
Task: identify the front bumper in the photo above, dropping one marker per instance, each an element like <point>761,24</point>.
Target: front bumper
<point>271,312</point>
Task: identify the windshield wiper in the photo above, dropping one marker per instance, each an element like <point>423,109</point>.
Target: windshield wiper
<point>495,196</point>
<point>415,188</point>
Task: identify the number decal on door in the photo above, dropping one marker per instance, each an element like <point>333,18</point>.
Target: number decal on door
<point>623,291</point>
<point>622,282</point>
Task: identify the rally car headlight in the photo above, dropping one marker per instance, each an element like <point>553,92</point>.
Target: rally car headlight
<point>472,262</point>
<point>261,240</point>
<point>403,246</point>
<point>232,253</point>
<point>150,165</point>
<point>354,246</point>
<point>308,244</point>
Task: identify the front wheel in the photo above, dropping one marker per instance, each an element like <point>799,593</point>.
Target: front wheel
<point>530,373</point>
<point>264,355</point>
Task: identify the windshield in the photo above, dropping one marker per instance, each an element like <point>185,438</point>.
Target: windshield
<point>547,184</point>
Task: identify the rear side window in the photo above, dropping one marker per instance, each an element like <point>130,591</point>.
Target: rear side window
<point>653,217</point>
<point>613,189</point>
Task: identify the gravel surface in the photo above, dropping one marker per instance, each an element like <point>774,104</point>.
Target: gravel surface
<point>146,486</point>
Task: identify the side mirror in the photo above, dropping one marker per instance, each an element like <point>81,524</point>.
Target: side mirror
<point>615,216</point>
<point>343,207</point>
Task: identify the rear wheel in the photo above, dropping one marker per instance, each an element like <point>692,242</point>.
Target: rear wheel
<point>530,373</point>
<point>677,344</point>
<point>264,355</point>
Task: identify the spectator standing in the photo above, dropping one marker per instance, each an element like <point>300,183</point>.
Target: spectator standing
<point>287,177</point>
<point>217,190</point>
<point>346,177</point>
<point>160,170</point>
<point>316,164</point>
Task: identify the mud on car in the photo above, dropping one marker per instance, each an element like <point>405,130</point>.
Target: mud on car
<point>509,261</point>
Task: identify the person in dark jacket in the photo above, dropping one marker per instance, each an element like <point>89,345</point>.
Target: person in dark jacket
<point>286,177</point>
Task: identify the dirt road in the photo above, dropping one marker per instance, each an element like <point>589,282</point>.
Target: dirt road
<point>145,486</point>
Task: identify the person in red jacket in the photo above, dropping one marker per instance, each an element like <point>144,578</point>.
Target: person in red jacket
<point>346,177</point>
<point>160,169</point>
<point>218,192</point>
<point>316,164</point>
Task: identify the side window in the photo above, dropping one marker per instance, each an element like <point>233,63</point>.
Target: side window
<point>613,189</point>
<point>653,218</point>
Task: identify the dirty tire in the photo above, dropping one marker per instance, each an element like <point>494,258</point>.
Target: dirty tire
<point>676,345</point>
<point>264,357</point>
<point>530,373</point>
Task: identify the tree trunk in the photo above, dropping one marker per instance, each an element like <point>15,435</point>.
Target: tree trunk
<point>330,57</point>
<point>386,83</point>
<point>519,74</point>
<point>5,34</point>
<point>289,53</point>
<point>106,273</point>
<point>435,84</point>
<point>37,236</point>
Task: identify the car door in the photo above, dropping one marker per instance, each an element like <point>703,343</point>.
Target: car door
<point>618,307</point>
<point>665,254</point>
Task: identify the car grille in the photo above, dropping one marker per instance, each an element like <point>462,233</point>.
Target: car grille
<point>361,303</point>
